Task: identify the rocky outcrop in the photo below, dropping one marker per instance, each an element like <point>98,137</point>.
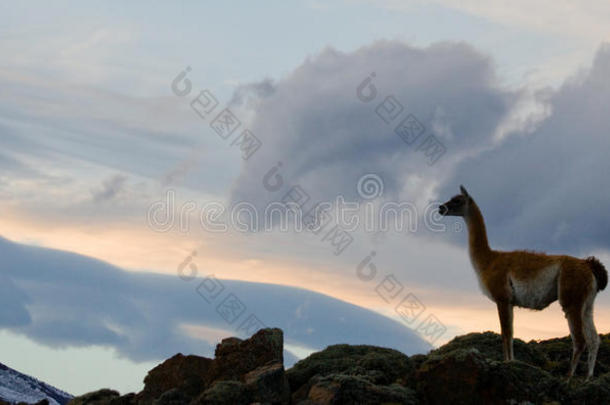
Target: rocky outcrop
<point>466,376</point>
<point>467,370</point>
<point>235,357</point>
<point>351,389</point>
<point>186,374</point>
<point>341,369</point>
<point>268,384</point>
<point>243,371</point>
<point>470,370</point>
<point>101,397</point>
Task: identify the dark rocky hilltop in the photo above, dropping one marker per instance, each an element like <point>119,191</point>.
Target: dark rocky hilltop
<point>467,370</point>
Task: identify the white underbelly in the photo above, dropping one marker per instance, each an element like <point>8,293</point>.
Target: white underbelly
<point>537,292</point>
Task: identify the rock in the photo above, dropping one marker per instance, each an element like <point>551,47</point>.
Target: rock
<point>172,397</point>
<point>489,344</point>
<point>558,352</point>
<point>457,373</point>
<point>128,399</point>
<point>596,391</point>
<point>101,397</point>
<point>224,393</point>
<point>255,364</point>
<point>349,389</point>
<point>268,384</point>
<point>235,357</point>
<point>520,382</point>
<point>465,376</point>
<point>227,346</point>
<point>377,365</point>
<point>468,370</point>
<point>185,373</point>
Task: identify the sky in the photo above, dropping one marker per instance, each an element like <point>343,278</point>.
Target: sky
<point>140,141</point>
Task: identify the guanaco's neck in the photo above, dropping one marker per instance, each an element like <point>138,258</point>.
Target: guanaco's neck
<point>480,252</point>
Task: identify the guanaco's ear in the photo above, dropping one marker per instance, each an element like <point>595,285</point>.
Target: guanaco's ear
<point>464,192</point>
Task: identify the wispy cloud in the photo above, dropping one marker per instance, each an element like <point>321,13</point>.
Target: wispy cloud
<point>563,18</point>
<point>110,188</point>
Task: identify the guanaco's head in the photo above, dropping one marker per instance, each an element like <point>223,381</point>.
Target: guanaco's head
<point>458,205</point>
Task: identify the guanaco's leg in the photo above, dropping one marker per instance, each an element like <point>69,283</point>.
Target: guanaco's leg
<point>505,311</point>
<point>592,339</point>
<point>575,321</point>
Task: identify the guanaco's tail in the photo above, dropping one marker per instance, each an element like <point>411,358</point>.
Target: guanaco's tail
<point>599,271</point>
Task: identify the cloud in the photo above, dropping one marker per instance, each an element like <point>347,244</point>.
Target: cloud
<point>13,312</point>
<point>63,299</point>
<point>534,159</point>
<point>549,189</point>
<point>252,92</point>
<point>323,137</point>
<point>565,18</point>
<point>110,188</point>
<point>67,126</point>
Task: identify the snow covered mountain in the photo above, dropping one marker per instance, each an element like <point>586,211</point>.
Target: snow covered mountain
<point>16,387</point>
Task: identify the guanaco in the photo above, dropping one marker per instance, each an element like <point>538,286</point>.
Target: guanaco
<point>533,280</point>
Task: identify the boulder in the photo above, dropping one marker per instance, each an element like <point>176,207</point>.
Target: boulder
<point>489,344</point>
<point>268,384</point>
<point>224,393</point>
<point>465,376</point>
<point>236,357</point>
<point>172,397</point>
<point>101,397</point>
<point>184,373</point>
<point>375,364</point>
<point>349,389</point>
<point>595,391</point>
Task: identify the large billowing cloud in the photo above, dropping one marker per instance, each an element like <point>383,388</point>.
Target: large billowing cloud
<point>535,160</point>
<point>326,137</point>
<point>63,299</point>
<point>549,189</point>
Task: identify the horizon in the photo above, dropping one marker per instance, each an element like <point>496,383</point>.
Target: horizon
<point>304,147</point>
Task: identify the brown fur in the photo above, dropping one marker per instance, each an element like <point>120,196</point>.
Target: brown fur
<point>599,271</point>
<point>533,280</point>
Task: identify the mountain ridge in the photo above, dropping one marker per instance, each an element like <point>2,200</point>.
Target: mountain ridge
<point>16,387</point>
